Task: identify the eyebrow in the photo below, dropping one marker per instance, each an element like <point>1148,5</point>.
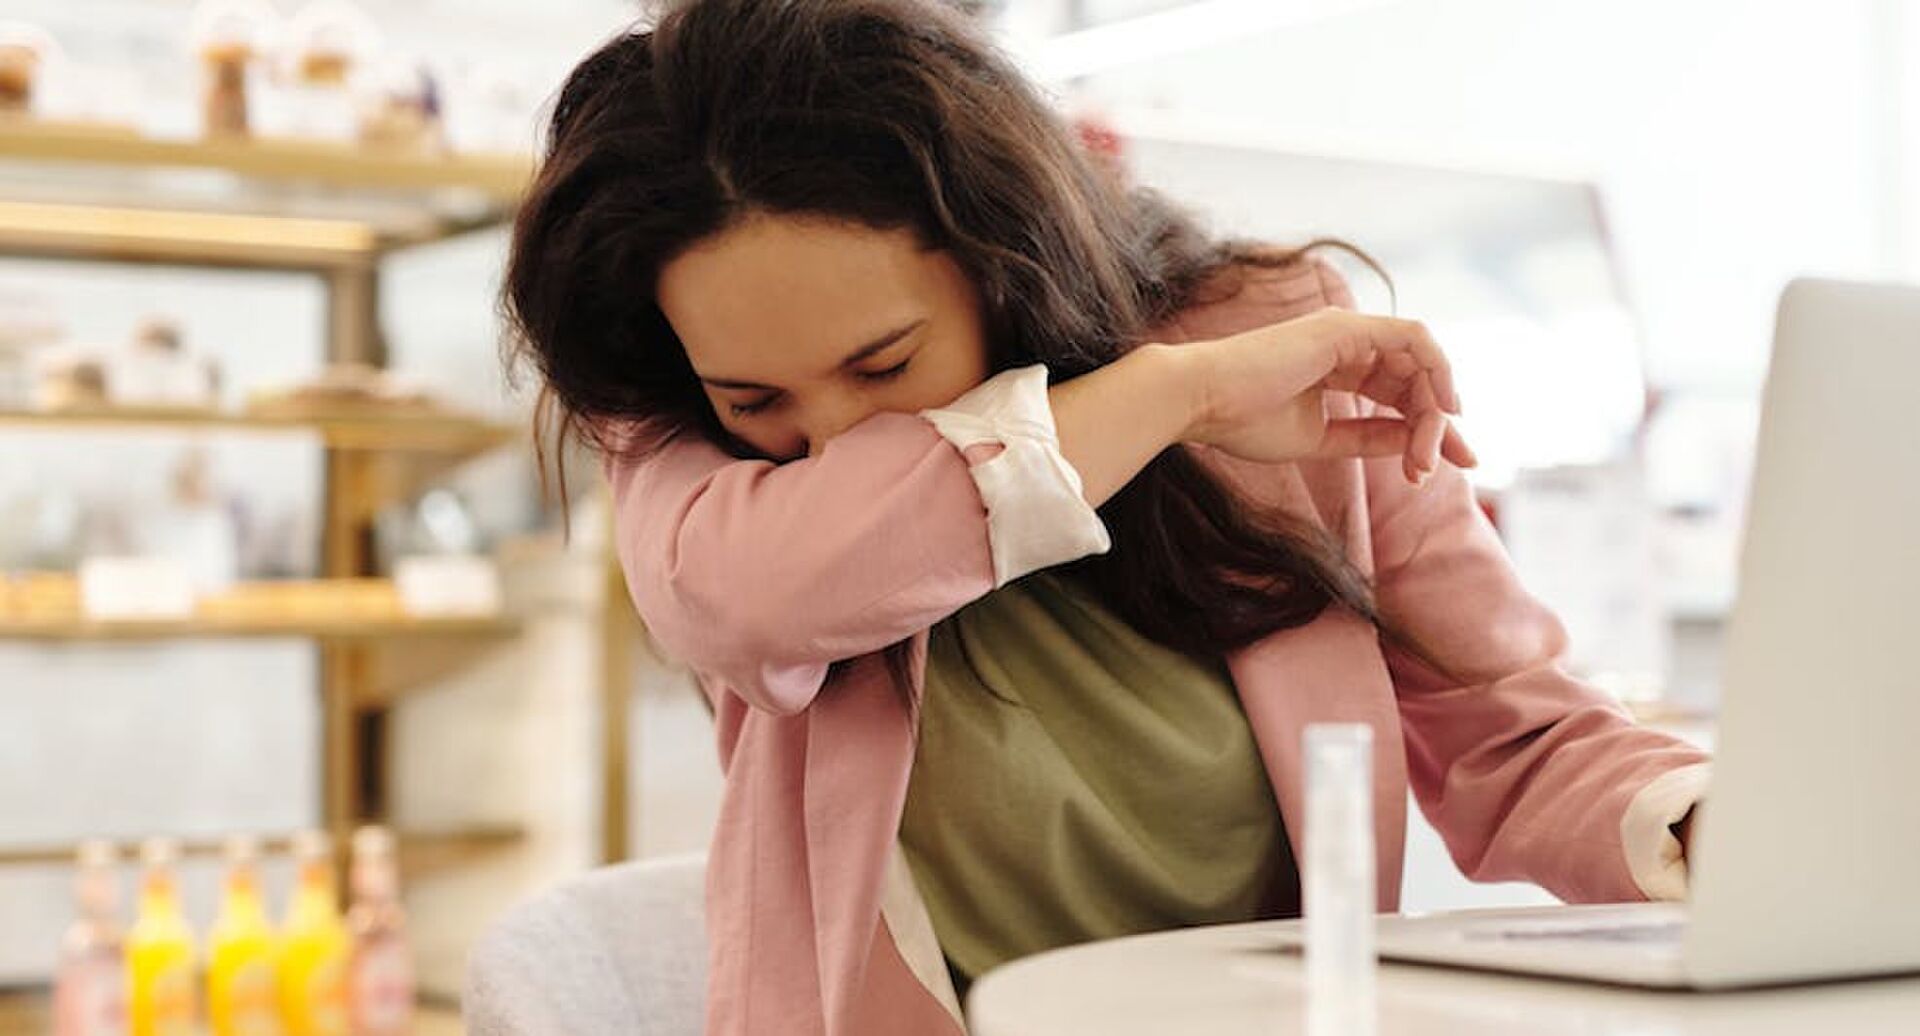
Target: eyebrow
<point>852,358</point>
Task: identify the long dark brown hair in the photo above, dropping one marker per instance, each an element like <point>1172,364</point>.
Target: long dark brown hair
<point>891,114</point>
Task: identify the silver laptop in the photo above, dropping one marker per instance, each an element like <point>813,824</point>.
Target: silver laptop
<point>1806,856</point>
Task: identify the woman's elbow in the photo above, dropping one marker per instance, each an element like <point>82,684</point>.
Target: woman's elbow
<point>748,647</point>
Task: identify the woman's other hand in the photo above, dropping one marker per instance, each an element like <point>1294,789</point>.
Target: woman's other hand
<point>1259,395</point>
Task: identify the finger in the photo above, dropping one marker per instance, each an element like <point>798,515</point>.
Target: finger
<point>1392,334</point>
<point>1365,437</point>
<point>1454,447</point>
<point>1353,370</point>
<point>1423,450</point>
<point>1399,381</point>
<point>1405,374</point>
<point>1430,428</point>
<point>1382,385</point>
<point>1416,404</point>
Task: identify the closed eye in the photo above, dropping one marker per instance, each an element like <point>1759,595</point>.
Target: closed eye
<point>766,403</point>
<point>749,409</point>
<point>888,374</point>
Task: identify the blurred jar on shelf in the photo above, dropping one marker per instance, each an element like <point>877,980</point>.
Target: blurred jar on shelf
<point>39,532</point>
<point>486,104</point>
<point>400,107</point>
<point>230,37</point>
<point>195,525</point>
<point>25,50</point>
<point>28,324</point>
<point>69,379</point>
<point>156,369</point>
<point>326,53</point>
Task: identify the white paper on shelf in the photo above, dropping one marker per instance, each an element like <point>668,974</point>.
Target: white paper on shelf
<point>448,584</point>
<point>135,588</point>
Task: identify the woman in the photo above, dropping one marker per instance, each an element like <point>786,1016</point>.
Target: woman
<point>1015,529</point>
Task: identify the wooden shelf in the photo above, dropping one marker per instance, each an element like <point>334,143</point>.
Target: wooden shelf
<point>344,628</point>
<point>48,607</point>
<point>140,235</point>
<point>131,234</point>
<point>429,852</point>
<point>499,178</point>
<point>420,851</point>
<point>376,200</point>
<point>366,432</point>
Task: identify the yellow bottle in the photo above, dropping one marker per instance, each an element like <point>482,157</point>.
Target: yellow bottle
<point>160,999</point>
<point>314,947</point>
<point>242,987</point>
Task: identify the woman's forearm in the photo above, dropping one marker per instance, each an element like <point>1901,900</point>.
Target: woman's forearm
<point>1114,420</point>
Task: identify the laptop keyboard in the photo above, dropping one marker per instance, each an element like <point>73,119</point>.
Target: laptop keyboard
<point>1665,932</point>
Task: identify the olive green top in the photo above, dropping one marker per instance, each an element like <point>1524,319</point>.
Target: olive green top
<point>1077,781</point>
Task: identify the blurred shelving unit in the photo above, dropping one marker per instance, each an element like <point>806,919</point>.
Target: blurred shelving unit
<point>421,852</point>
<point>101,193</point>
<point>455,436</point>
<point>329,209</point>
<point>334,629</point>
<point>499,178</point>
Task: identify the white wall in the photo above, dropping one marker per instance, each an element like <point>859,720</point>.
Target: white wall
<point>1738,142</point>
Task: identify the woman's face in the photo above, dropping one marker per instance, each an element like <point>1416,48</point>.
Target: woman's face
<point>801,328</point>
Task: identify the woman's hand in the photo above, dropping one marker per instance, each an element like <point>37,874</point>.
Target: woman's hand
<point>1259,395</point>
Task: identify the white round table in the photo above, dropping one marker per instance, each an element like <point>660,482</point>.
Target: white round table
<point>1232,980</point>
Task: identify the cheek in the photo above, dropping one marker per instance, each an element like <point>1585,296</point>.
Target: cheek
<point>953,373</point>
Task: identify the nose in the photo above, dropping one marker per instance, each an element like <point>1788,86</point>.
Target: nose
<point>830,415</point>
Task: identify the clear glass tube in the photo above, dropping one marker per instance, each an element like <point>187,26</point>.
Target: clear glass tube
<point>1338,876</point>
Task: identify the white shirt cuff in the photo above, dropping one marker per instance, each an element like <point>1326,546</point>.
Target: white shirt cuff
<point>1037,514</point>
<point>1654,855</point>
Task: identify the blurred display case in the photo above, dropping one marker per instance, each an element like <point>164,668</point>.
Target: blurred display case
<point>335,212</point>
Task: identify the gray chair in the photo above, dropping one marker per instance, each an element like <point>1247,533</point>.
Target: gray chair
<point>622,950</point>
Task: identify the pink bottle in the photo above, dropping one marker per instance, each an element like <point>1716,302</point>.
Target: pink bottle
<point>90,990</point>
<point>380,985</point>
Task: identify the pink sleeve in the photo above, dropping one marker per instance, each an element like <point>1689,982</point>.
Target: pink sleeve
<point>763,575</point>
<point>1526,772</point>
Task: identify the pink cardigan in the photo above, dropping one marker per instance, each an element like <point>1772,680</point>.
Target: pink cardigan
<point>759,577</point>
